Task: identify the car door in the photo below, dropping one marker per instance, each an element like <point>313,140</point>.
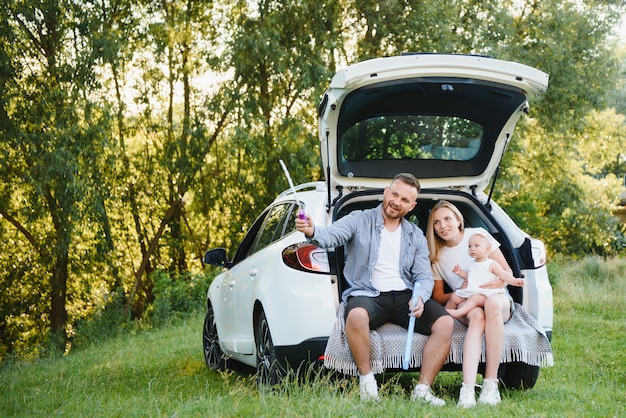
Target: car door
<point>262,264</point>
<point>243,263</point>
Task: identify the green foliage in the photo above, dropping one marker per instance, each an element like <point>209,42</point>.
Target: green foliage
<point>108,321</point>
<point>568,208</point>
<point>135,135</point>
<point>599,279</point>
<point>175,297</point>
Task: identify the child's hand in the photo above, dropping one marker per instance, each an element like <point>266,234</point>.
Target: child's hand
<point>457,270</point>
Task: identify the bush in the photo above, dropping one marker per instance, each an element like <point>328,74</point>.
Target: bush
<point>176,296</point>
<point>108,321</point>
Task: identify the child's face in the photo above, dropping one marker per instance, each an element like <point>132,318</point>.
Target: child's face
<point>479,247</point>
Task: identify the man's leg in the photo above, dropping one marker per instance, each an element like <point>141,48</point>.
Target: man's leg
<point>436,349</point>
<point>357,329</point>
<point>358,336</point>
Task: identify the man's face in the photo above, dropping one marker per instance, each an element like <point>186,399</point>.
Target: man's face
<point>398,199</point>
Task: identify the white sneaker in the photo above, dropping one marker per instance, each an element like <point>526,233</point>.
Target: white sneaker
<point>490,394</point>
<point>467,398</point>
<point>369,388</point>
<point>422,393</point>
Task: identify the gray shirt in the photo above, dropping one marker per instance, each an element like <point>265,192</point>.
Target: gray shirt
<point>360,232</point>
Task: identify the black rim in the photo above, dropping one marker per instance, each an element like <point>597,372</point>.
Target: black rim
<point>212,350</point>
<point>265,353</point>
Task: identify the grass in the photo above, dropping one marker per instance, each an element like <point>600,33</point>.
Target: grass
<point>161,372</point>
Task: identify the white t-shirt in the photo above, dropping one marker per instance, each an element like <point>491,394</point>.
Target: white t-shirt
<point>459,254</point>
<point>386,275</point>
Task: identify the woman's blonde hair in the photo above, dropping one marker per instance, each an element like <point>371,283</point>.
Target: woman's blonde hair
<point>435,243</point>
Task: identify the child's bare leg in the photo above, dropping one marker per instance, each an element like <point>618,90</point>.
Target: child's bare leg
<point>465,307</point>
<point>454,301</point>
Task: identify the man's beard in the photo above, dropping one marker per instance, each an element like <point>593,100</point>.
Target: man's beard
<point>396,215</point>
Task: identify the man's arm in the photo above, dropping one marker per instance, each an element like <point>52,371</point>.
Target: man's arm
<point>335,235</point>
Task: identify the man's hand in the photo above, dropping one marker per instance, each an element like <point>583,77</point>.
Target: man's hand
<point>417,310</point>
<point>305,226</point>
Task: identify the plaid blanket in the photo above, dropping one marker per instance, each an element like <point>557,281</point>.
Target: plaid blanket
<point>524,341</point>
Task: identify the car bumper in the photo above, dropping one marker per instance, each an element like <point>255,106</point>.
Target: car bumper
<point>308,351</point>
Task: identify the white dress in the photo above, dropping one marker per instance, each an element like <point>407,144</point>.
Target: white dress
<point>477,275</point>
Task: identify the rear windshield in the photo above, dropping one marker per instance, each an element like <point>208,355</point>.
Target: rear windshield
<point>400,137</point>
<point>431,127</point>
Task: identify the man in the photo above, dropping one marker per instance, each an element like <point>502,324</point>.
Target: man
<point>385,256</point>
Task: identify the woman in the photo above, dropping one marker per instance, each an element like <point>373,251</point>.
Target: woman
<point>448,245</point>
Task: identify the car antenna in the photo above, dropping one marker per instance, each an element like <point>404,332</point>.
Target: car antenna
<point>301,213</point>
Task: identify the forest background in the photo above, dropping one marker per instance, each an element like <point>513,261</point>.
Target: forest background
<point>134,135</point>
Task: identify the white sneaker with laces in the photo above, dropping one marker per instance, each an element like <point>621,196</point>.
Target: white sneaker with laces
<point>489,394</point>
<point>422,393</point>
<point>369,388</point>
<point>467,397</point>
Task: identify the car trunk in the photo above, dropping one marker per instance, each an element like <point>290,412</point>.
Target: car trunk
<point>475,215</point>
<point>447,119</point>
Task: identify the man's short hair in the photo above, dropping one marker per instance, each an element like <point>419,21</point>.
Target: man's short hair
<point>409,179</point>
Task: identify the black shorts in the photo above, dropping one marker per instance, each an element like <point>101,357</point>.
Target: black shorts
<point>394,307</point>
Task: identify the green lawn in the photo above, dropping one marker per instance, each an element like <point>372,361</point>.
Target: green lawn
<point>162,372</point>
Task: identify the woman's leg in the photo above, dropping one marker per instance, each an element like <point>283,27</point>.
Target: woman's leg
<point>472,345</point>
<point>497,312</point>
<point>472,348</point>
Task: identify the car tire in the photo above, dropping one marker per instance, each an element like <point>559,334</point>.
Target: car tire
<point>269,371</point>
<point>518,375</point>
<point>213,355</point>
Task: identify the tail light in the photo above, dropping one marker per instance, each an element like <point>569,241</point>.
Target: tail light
<point>538,251</point>
<point>306,257</point>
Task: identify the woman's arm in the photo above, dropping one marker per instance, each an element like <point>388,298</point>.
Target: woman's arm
<point>439,294</point>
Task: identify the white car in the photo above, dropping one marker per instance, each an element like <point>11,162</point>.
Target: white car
<point>445,118</point>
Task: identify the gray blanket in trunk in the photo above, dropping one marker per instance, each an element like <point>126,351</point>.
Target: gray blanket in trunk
<point>524,341</point>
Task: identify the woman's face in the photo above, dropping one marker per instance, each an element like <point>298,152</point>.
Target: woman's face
<point>446,225</point>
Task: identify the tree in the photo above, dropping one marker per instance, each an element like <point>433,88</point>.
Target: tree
<point>51,143</point>
<point>135,135</point>
<point>544,185</point>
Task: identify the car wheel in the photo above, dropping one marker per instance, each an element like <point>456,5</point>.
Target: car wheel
<point>210,340</point>
<point>518,375</point>
<point>267,366</point>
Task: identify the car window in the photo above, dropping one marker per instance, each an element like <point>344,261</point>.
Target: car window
<point>400,137</point>
<point>274,226</point>
<point>248,241</point>
<point>290,220</point>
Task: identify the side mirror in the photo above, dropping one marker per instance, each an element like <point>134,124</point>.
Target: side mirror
<point>216,257</point>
